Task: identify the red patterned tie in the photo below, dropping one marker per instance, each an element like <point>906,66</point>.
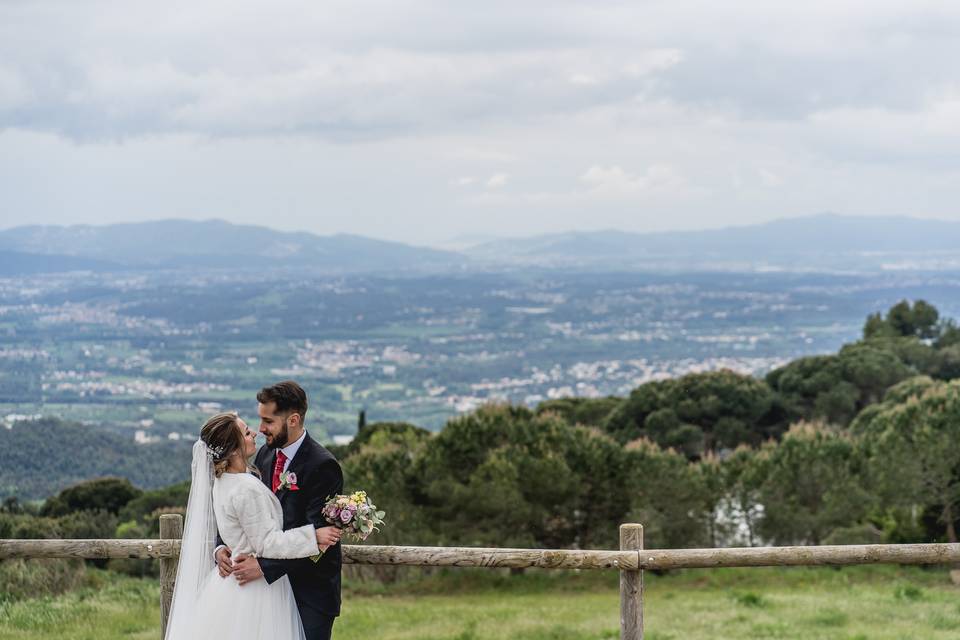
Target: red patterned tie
<point>278,469</point>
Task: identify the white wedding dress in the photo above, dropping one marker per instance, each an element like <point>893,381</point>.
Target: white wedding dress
<point>250,521</point>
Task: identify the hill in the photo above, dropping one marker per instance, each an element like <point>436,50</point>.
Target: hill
<point>814,243</point>
<point>16,263</point>
<point>819,242</point>
<point>214,243</point>
<point>39,458</point>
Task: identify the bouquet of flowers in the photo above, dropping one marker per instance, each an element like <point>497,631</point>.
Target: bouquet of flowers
<point>355,514</point>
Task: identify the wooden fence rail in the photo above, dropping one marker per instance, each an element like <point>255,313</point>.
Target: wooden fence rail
<point>631,560</point>
<point>535,558</point>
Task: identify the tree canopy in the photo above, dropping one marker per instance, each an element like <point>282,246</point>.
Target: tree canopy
<point>696,414</point>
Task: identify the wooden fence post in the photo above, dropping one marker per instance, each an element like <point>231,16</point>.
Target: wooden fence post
<point>631,586</point>
<point>171,527</point>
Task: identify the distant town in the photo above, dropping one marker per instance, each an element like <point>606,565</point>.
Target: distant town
<point>150,354</point>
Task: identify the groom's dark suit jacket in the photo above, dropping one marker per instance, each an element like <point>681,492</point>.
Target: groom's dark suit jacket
<point>316,586</point>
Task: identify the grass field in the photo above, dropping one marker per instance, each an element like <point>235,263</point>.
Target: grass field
<point>850,604</point>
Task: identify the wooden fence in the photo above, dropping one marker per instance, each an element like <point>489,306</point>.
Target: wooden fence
<point>630,560</point>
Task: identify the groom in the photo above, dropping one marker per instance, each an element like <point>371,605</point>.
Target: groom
<point>316,586</point>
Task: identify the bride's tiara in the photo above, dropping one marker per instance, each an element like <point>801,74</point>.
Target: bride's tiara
<point>215,452</point>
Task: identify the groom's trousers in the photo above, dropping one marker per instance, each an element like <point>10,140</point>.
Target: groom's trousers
<point>321,629</point>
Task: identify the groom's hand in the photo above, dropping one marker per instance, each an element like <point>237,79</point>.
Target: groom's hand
<point>246,569</point>
<point>224,563</point>
<point>328,536</point>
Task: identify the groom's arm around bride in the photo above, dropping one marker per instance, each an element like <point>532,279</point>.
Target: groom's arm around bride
<point>316,487</point>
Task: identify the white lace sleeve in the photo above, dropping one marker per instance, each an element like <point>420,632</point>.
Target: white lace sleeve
<point>255,511</point>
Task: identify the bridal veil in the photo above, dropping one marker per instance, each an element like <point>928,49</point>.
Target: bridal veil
<point>196,550</point>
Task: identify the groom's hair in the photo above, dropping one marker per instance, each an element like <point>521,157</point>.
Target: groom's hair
<point>289,396</point>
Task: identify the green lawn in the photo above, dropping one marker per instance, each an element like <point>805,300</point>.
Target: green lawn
<point>110,608</point>
<point>853,603</point>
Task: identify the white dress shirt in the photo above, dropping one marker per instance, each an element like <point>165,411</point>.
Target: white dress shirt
<point>291,449</point>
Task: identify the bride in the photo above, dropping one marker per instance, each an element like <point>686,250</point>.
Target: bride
<point>225,495</point>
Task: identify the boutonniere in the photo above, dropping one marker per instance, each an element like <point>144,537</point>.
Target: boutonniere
<point>288,480</point>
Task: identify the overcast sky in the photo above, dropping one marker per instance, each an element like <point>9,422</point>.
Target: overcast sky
<point>426,122</point>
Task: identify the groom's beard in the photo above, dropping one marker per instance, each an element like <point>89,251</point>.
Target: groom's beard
<point>280,440</point>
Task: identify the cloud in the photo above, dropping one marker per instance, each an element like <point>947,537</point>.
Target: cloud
<point>597,183</point>
<point>496,181</point>
<point>481,154</point>
<point>769,178</point>
<point>375,93</point>
<point>92,70</point>
<point>13,90</point>
<point>79,71</point>
<point>401,113</point>
<point>926,135</point>
<point>614,181</point>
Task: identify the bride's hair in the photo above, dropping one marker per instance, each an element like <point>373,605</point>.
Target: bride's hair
<point>221,434</point>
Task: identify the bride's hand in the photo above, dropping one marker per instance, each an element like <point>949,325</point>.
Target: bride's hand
<point>328,536</point>
<point>224,562</point>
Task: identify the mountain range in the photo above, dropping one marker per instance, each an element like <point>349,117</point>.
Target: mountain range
<point>822,242</point>
<point>173,244</point>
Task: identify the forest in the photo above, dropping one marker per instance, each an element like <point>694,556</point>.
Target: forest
<point>860,446</point>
